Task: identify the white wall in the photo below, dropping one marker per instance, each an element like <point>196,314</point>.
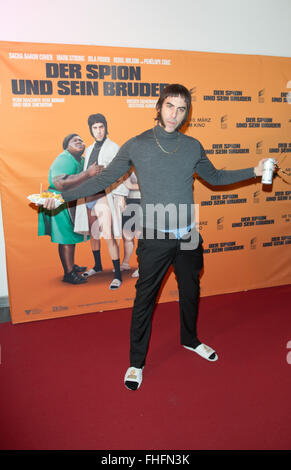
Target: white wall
<point>238,26</point>
<point>229,26</point>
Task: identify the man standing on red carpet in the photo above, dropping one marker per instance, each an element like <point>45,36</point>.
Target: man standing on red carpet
<point>165,161</point>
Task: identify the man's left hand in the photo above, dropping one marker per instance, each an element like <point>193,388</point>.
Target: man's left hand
<point>260,166</point>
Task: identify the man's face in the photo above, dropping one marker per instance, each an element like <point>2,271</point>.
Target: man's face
<point>76,145</point>
<point>173,112</point>
<point>98,131</point>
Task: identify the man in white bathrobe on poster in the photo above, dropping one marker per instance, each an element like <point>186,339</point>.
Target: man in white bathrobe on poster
<point>97,215</point>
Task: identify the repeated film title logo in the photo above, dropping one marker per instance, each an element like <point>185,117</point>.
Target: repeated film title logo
<point>237,97</point>
<point>222,200</point>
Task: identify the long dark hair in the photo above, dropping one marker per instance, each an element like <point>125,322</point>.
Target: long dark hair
<point>93,118</point>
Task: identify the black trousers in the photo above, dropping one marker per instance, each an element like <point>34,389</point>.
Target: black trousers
<point>155,257</point>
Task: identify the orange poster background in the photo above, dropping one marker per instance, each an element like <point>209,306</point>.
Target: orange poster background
<point>240,113</point>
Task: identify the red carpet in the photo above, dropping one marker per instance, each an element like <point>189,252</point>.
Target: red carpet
<point>62,380</point>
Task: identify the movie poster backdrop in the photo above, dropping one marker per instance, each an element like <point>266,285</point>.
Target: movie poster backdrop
<point>240,113</point>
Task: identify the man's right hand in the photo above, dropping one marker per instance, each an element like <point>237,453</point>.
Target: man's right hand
<point>49,204</point>
<point>94,169</point>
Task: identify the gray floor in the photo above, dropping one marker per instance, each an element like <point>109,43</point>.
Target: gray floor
<point>4,310</point>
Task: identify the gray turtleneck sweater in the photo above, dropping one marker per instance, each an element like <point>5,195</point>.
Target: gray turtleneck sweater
<point>164,179</point>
